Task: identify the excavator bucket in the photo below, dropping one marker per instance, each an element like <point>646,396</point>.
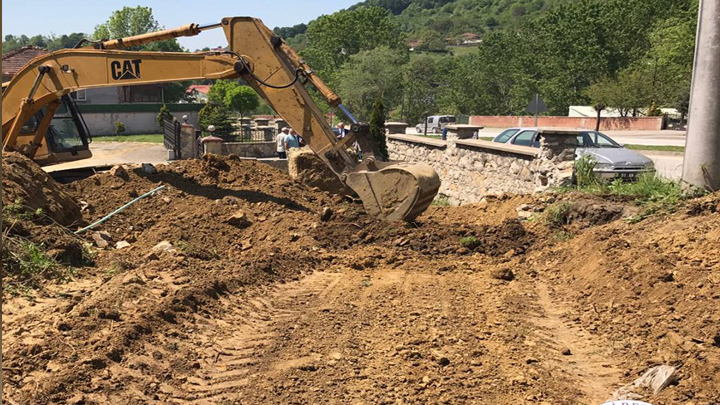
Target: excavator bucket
<point>397,190</point>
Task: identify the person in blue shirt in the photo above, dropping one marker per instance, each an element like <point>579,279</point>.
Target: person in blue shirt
<point>292,140</point>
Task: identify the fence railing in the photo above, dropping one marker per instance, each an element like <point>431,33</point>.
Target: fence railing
<point>247,134</point>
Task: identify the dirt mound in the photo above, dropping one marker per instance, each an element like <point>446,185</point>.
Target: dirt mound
<point>305,166</point>
<point>652,288</point>
<point>36,246</point>
<point>235,283</point>
<point>27,187</point>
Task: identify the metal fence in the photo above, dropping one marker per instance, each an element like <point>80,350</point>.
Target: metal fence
<point>247,134</point>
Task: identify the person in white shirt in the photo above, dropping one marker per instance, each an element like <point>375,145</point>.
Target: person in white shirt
<point>341,131</point>
<point>280,140</point>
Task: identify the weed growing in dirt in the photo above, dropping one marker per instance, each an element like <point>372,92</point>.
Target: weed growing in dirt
<point>441,201</point>
<point>563,235</point>
<point>585,172</point>
<point>556,215</point>
<point>652,193</point>
<point>470,242</point>
<point>25,265</point>
<point>18,210</point>
<point>198,253</point>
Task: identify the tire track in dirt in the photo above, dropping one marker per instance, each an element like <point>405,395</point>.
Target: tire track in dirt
<point>588,362</point>
<point>237,341</point>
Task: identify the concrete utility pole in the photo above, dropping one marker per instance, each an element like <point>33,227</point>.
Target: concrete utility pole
<point>701,166</point>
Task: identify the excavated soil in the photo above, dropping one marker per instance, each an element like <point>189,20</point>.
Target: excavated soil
<point>280,304</point>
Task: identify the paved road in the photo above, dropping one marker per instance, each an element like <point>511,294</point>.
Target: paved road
<point>113,153</point>
<point>667,164</point>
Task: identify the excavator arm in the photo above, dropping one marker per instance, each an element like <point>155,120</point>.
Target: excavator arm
<point>391,190</point>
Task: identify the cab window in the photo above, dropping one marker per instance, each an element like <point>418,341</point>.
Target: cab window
<point>602,141</point>
<point>524,138</point>
<point>505,135</point>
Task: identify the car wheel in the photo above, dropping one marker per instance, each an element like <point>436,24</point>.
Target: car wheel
<point>436,130</point>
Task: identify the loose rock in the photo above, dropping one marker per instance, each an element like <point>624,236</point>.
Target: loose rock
<point>502,274</point>
<point>102,239</point>
<point>239,219</point>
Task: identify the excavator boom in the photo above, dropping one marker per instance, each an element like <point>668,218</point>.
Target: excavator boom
<point>390,190</point>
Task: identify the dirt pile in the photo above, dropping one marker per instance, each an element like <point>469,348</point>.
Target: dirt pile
<point>652,290</point>
<point>36,211</point>
<point>237,284</point>
<point>25,183</point>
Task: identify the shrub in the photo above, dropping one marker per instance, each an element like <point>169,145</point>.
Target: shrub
<point>163,115</point>
<point>585,171</point>
<point>119,127</point>
<point>377,129</point>
<point>470,242</point>
<point>557,215</point>
<point>219,116</point>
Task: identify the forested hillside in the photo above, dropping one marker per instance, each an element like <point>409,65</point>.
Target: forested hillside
<point>633,55</point>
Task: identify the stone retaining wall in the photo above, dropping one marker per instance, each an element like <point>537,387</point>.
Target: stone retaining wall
<point>472,169</point>
<point>250,149</point>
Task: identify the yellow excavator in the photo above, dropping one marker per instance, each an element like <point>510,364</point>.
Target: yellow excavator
<point>391,190</point>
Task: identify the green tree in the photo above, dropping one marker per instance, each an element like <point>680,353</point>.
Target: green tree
<point>138,20</point>
<point>218,116</point>
<point>219,91</point>
<point>421,93</point>
<point>130,21</point>
<point>432,41</point>
<point>377,129</point>
<point>627,94</point>
<point>242,99</point>
<point>369,75</point>
<point>333,39</point>
<point>163,115</point>
<point>234,96</point>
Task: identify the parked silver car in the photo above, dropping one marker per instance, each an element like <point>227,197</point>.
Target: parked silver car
<point>435,124</point>
<point>611,159</point>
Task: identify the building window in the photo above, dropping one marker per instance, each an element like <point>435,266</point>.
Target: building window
<point>78,95</point>
<point>140,94</point>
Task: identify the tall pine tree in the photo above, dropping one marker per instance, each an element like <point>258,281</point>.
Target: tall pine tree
<point>377,129</point>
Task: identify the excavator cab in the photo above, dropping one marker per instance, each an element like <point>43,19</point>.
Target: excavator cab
<point>66,138</point>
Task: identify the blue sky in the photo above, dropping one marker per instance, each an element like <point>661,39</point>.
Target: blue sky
<point>32,17</point>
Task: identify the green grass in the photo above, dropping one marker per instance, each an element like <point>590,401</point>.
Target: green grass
<point>150,138</point>
<point>653,194</point>
<point>664,148</point>
<point>470,242</point>
<point>556,215</point>
<point>462,50</point>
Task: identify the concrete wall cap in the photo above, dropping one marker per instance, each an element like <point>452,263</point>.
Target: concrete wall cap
<point>418,139</point>
<point>520,150</point>
<point>464,126</point>
<point>560,131</point>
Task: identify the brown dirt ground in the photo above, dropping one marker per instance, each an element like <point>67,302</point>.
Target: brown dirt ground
<point>289,309</point>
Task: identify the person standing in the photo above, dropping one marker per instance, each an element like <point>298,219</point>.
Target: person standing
<point>297,137</point>
<point>341,131</point>
<point>280,140</point>
<point>292,140</point>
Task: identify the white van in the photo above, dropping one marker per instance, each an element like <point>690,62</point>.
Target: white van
<point>435,124</point>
